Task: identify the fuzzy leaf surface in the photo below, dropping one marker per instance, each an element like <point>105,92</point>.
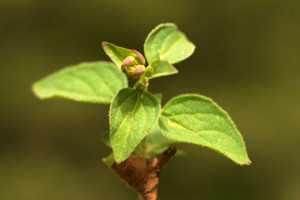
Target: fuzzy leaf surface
<point>162,68</point>
<point>115,53</point>
<point>166,42</point>
<point>132,115</point>
<point>197,119</point>
<point>159,97</point>
<point>96,82</point>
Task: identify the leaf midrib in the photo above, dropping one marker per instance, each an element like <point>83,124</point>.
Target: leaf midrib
<point>119,107</point>
<point>210,145</point>
<point>199,132</point>
<point>153,54</point>
<point>104,81</point>
<point>165,54</point>
<point>83,80</point>
<point>132,114</point>
<point>178,114</point>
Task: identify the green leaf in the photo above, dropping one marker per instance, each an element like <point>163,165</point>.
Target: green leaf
<point>158,96</point>
<point>96,82</point>
<point>132,115</point>
<point>162,68</point>
<point>109,160</point>
<point>115,53</point>
<point>160,149</point>
<point>157,143</point>
<point>197,119</point>
<point>166,42</point>
<point>105,139</point>
<point>156,138</point>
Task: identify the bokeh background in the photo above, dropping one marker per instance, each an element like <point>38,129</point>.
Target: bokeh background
<point>247,60</point>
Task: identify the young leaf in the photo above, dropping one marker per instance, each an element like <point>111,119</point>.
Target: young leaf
<point>116,54</point>
<point>132,115</point>
<point>105,139</point>
<point>197,119</point>
<point>156,138</point>
<point>96,82</point>
<point>157,142</point>
<point>166,42</point>
<point>109,160</point>
<point>162,68</point>
<point>159,97</point>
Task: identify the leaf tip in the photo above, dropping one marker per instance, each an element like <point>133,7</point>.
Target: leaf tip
<point>103,44</point>
<point>249,163</point>
<point>108,160</point>
<point>35,90</point>
<point>245,161</point>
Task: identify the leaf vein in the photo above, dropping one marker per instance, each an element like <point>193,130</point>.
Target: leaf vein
<point>132,120</point>
<point>199,132</point>
<point>178,114</point>
<point>83,81</point>
<point>105,83</point>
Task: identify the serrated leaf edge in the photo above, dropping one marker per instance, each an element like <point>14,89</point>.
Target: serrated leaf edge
<point>164,74</point>
<point>105,50</point>
<point>156,121</point>
<point>170,25</point>
<point>222,110</point>
<point>63,95</point>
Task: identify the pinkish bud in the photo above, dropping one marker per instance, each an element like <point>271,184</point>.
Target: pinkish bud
<point>128,61</point>
<point>133,65</point>
<point>138,71</point>
<point>140,57</point>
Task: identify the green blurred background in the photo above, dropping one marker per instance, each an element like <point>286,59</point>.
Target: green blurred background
<point>247,60</point>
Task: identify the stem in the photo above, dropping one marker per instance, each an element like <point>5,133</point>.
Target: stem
<point>145,82</point>
<point>143,173</point>
<point>142,84</point>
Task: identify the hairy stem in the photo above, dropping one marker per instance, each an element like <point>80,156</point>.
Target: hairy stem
<point>145,82</point>
<point>142,84</point>
<point>142,173</point>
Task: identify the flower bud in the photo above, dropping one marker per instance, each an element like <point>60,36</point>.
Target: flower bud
<point>129,61</point>
<point>140,58</point>
<point>139,70</point>
<point>133,65</point>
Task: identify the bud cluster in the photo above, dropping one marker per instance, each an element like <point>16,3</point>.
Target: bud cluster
<point>134,64</point>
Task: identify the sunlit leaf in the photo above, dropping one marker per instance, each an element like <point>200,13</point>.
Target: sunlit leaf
<point>198,120</point>
<point>96,82</point>
<point>132,115</point>
<point>166,42</point>
<point>116,54</point>
<point>158,96</point>
<point>162,68</point>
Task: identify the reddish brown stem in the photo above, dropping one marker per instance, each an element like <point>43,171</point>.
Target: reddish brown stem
<point>142,173</point>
